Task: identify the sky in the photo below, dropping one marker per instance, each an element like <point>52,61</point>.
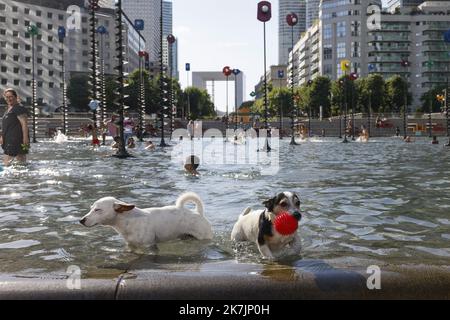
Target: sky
<point>212,34</point>
<point>216,33</point>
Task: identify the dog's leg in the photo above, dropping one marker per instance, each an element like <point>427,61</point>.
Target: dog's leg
<point>265,251</point>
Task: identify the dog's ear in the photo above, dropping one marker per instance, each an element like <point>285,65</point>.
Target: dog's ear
<point>123,207</point>
<point>269,204</point>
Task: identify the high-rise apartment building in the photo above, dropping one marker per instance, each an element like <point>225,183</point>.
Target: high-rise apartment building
<point>342,34</point>
<point>285,31</point>
<point>16,47</point>
<point>312,12</point>
<point>391,5</point>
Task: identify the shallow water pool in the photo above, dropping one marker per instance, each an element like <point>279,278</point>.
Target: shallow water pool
<point>384,201</point>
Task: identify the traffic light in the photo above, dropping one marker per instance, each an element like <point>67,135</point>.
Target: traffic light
<point>264,11</point>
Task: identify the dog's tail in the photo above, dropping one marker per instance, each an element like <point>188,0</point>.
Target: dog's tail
<point>190,197</point>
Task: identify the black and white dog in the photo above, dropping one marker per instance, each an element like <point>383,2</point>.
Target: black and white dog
<point>257,225</point>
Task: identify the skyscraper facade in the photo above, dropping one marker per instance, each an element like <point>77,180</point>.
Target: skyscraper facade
<point>312,12</point>
<point>168,29</point>
<point>150,12</point>
<point>284,30</point>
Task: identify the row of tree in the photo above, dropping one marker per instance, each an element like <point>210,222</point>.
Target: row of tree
<point>383,96</point>
<point>197,101</point>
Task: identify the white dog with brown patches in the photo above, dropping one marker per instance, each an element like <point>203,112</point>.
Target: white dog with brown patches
<point>144,228</point>
<point>257,225</point>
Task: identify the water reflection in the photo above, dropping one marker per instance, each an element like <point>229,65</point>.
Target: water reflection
<point>382,199</point>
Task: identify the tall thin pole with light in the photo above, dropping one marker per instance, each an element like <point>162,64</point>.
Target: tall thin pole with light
<point>235,72</point>
<point>405,64</point>
<point>292,20</point>
<point>264,15</point>
<point>33,31</point>
<point>345,66</point>
<point>227,71</point>
<point>188,110</point>
<point>101,30</point>
<point>62,36</point>
<point>139,26</point>
<point>447,91</point>
<point>171,41</point>
<point>120,79</point>
<point>93,6</point>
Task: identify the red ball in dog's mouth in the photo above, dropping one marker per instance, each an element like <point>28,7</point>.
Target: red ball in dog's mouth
<point>285,223</point>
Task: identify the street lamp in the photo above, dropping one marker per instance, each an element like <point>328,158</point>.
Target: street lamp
<point>33,31</point>
<point>101,30</point>
<point>280,74</point>
<point>309,112</point>
<point>163,84</point>
<point>61,36</point>
<point>171,40</point>
<point>447,89</point>
<point>405,64</point>
<point>227,71</point>
<point>345,66</point>
<point>369,107</point>
<point>264,15</point>
<point>187,112</point>
<point>430,63</point>
<point>292,20</point>
<point>119,101</point>
<point>353,77</point>
<point>93,6</point>
<point>139,26</point>
<point>235,72</point>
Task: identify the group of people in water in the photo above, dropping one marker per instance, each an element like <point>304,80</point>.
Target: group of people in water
<point>15,140</point>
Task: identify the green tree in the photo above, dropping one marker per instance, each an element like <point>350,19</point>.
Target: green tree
<point>301,95</point>
<point>200,103</point>
<point>280,97</point>
<point>133,89</point>
<point>78,92</point>
<point>372,90</point>
<point>111,89</point>
<point>431,95</point>
<point>344,92</point>
<point>396,91</point>
<point>319,92</point>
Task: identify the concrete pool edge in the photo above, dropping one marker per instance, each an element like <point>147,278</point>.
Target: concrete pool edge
<point>397,282</point>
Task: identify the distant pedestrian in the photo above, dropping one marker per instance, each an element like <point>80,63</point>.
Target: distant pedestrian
<point>397,131</point>
<point>14,139</point>
<point>435,140</point>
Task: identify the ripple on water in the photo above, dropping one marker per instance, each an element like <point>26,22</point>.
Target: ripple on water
<point>18,244</point>
<point>441,252</point>
<point>31,230</point>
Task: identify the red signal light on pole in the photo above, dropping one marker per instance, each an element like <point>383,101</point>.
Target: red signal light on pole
<point>291,19</point>
<point>264,11</point>
<point>227,71</point>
